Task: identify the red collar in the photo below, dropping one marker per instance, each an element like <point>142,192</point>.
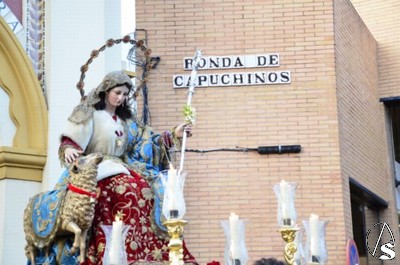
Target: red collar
<point>81,191</point>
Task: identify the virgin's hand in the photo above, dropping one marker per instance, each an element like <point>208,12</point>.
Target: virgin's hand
<point>183,127</point>
<point>70,154</point>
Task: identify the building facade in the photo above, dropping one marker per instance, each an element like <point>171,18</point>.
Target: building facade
<point>317,74</point>
<point>340,56</point>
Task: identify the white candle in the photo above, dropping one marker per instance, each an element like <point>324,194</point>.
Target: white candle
<point>172,180</point>
<point>116,240</point>
<point>284,198</point>
<point>234,232</point>
<point>314,235</point>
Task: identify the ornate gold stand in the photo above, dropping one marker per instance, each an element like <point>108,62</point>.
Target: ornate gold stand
<point>288,235</point>
<point>175,231</point>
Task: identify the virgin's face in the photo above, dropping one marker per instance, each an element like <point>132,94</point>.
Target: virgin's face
<point>117,96</point>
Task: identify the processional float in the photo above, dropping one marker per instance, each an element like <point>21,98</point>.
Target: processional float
<point>296,252</point>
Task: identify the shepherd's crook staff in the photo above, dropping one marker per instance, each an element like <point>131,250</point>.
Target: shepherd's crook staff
<point>189,111</point>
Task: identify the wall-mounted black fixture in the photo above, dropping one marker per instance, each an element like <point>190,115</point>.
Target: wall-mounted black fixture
<point>277,149</point>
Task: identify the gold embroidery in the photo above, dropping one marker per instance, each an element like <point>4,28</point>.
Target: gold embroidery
<point>133,245</point>
<point>53,206</point>
<point>118,142</point>
<point>143,220</point>
<point>100,248</point>
<point>147,193</point>
<point>120,189</point>
<point>141,203</point>
<point>43,225</point>
<point>157,254</point>
<point>92,259</point>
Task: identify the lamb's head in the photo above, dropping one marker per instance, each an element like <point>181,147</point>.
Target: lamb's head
<point>84,168</point>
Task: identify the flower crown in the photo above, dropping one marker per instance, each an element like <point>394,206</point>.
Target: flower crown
<point>142,58</point>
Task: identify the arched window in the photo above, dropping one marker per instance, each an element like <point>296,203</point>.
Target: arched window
<point>26,157</point>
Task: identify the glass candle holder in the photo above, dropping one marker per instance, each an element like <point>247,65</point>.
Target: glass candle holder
<point>300,256</point>
<point>235,247</point>
<point>285,193</point>
<point>315,249</point>
<point>119,257</point>
<point>174,203</point>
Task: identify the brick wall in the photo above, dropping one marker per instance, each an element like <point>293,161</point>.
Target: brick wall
<point>303,112</point>
<point>363,140</point>
<point>359,111</point>
<point>381,17</point>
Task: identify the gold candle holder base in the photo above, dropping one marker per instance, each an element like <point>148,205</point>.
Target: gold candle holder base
<point>175,231</point>
<point>288,235</point>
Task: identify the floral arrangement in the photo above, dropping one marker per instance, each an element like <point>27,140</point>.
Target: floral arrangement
<point>190,114</point>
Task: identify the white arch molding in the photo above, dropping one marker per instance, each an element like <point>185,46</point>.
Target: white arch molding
<point>26,158</point>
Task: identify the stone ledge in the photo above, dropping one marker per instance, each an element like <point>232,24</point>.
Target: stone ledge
<point>22,164</point>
